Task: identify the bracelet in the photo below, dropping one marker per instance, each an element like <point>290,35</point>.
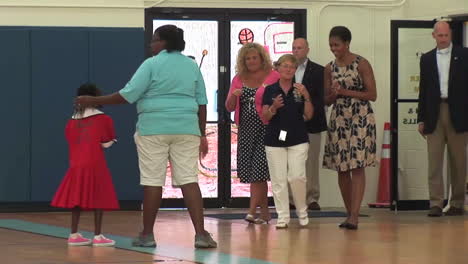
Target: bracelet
<point>271,112</point>
<point>306,100</point>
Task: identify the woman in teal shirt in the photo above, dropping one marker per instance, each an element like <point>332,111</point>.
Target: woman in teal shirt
<point>170,95</point>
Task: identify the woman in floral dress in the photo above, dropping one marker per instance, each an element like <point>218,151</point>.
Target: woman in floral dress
<point>351,138</point>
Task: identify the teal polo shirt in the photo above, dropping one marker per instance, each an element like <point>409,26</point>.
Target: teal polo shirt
<point>167,89</point>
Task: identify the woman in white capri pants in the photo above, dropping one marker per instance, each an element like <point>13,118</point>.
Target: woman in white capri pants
<point>287,105</point>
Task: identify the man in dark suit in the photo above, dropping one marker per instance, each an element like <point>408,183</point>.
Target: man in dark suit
<point>442,110</point>
<point>310,74</point>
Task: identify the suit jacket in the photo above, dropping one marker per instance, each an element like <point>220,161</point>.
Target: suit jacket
<point>313,81</point>
<point>429,90</point>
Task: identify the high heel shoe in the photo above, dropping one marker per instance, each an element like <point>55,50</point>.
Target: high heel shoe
<point>250,218</point>
<point>343,225</point>
<point>350,226</point>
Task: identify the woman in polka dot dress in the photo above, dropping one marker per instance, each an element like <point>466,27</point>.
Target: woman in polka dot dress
<point>254,72</point>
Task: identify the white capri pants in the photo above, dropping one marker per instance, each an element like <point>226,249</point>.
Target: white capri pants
<point>287,165</point>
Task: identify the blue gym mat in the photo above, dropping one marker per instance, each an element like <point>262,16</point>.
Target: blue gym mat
<point>207,256</point>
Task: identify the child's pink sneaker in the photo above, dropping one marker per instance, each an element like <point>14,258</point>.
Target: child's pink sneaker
<point>102,241</point>
<point>77,239</point>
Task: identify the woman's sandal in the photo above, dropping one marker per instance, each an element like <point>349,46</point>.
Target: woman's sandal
<point>260,221</point>
<point>250,218</point>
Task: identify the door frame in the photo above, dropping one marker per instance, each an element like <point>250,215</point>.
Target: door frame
<point>223,16</point>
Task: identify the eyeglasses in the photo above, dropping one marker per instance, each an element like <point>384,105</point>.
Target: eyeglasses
<point>288,66</point>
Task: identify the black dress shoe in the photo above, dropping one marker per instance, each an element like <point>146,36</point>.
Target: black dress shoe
<point>343,225</point>
<point>435,211</point>
<point>314,206</point>
<point>350,226</point>
<point>453,211</point>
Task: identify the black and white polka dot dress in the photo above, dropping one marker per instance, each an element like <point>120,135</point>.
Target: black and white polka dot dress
<point>252,164</point>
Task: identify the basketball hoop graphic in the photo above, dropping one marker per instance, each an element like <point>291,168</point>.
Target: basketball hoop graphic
<point>246,35</point>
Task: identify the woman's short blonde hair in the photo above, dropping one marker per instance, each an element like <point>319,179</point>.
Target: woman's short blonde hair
<point>241,68</point>
<point>289,58</point>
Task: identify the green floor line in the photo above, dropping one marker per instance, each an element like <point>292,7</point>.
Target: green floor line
<point>196,255</point>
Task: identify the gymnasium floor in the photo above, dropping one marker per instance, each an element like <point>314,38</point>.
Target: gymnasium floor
<point>383,238</point>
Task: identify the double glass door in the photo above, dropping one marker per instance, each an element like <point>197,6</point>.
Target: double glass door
<point>213,38</point>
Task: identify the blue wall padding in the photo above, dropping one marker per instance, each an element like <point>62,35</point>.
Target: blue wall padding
<point>15,109</point>
<point>42,68</point>
<point>112,63</point>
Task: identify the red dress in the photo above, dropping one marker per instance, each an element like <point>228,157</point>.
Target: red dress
<point>87,183</point>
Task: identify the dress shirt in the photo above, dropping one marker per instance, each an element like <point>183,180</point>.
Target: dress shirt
<point>443,66</point>
<point>300,71</point>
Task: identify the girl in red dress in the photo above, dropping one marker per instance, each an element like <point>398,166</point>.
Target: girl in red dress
<point>87,185</point>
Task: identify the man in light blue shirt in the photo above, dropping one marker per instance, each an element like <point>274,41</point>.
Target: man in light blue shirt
<point>443,94</point>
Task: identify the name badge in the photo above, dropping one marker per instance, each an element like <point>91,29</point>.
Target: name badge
<point>282,135</point>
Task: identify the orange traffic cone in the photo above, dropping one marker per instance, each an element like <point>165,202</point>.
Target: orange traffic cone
<point>383,191</point>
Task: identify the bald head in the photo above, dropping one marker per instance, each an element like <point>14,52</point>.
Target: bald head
<point>301,41</point>
<point>441,25</point>
<point>300,49</point>
<point>442,34</point>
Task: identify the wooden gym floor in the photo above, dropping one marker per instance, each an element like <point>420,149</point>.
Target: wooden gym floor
<point>409,237</point>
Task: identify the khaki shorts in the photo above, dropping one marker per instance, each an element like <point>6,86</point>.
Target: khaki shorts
<point>154,151</point>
